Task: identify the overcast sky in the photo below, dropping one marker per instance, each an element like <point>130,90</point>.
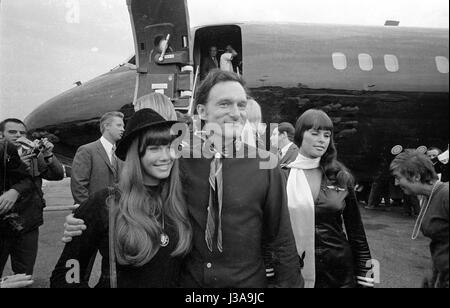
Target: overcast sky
<point>47,45</point>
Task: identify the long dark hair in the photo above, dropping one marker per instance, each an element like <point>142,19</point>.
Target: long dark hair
<point>334,170</point>
<point>138,217</point>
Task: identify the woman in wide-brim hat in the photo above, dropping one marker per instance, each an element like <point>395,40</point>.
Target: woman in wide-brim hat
<point>151,229</point>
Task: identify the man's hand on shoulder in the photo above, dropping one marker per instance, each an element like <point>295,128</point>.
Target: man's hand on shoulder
<point>16,281</point>
<point>72,227</point>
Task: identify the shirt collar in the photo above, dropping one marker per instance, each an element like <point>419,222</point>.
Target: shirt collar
<point>286,148</point>
<point>108,146</point>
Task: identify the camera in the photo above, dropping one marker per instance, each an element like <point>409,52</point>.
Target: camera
<point>31,147</point>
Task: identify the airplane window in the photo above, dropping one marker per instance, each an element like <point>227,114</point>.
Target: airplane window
<point>339,61</point>
<point>391,63</point>
<point>442,65</point>
<point>365,62</point>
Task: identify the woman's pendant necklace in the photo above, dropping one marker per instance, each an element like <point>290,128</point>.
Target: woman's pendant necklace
<point>164,238</point>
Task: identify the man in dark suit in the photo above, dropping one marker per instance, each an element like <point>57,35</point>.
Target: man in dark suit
<point>210,62</point>
<point>282,139</point>
<point>95,165</point>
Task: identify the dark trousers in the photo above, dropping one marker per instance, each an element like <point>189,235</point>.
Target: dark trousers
<point>23,251</point>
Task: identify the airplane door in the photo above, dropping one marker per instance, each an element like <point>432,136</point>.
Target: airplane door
<point>162,67</point>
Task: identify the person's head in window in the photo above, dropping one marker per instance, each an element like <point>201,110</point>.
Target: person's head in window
<point>213,51</point>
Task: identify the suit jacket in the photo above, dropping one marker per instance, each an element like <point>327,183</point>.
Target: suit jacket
<point>255,223</point>
<point>290,156</point>
<point>92,171</point>
<point>207,65</point>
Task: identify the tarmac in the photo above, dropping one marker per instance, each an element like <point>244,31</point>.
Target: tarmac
<point>400,262</point>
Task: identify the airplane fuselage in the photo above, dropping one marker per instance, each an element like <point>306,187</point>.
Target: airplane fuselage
<point>382,86</point>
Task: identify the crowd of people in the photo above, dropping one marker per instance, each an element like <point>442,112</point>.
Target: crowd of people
<point>161,217</point>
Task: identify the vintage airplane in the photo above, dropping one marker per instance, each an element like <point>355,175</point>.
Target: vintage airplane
<point>383,86</point>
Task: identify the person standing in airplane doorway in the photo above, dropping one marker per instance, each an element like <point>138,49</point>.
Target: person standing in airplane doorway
<point>226,59</point>
<point>210,62</point>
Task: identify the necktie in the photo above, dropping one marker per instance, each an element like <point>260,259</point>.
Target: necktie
<point>113,153</point>
<point>215,62</point>
<point>215,203</point>
<point>280,154</point>
<point>114,163</point>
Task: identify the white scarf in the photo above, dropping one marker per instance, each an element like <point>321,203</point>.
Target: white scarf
<point>301,209</point>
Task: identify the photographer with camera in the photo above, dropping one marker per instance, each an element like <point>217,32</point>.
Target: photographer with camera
<point>14,182</point>
<point>27,213</point>
<point>14,178</point>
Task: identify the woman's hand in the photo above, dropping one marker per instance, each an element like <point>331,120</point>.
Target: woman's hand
<point>16,281</point>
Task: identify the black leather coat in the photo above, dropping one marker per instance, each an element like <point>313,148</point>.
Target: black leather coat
<point>341,248</point>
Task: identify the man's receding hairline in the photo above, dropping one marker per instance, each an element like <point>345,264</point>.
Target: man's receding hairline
<point>224,82</point>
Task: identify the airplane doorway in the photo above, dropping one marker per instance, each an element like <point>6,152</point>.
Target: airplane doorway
<point>219,37</point>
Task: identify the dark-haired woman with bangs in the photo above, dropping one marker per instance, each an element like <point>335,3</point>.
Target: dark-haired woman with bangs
<point>151,229</point>
<point>325,218</point>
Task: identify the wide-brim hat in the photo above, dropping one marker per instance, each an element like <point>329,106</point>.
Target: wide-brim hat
<point>142,119</point>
